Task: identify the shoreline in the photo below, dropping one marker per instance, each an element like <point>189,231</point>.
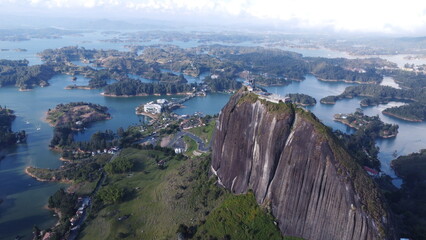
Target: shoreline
<point>347,124</point>
<point>78,87</point>
<point>401,118</point>
<point>34,176</point>
<point>142,95</point>
<point>57,212</point>
<point>328,103</point>
<point>46,180</point>
<point>345,81</point>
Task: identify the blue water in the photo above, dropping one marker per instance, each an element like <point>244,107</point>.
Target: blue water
<point>210,104</point>
<point>25,197</point>
<point>411,136</point>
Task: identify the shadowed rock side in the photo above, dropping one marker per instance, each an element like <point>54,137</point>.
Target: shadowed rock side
<point>293,165</point>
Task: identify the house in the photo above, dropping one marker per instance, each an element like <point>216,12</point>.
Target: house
<point>371,171</point>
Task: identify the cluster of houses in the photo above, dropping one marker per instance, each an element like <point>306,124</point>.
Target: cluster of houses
<point>112,150</point>
<point>83,204</point>
<point>191,123</point>
<point>415,68</point>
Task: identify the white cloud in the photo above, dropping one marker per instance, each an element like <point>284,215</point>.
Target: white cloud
<point>354,15</point>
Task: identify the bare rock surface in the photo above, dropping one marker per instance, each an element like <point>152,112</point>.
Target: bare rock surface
<point>297,169</point>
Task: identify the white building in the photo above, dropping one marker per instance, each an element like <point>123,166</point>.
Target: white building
<point>152,107</point>
<point>161,101</point>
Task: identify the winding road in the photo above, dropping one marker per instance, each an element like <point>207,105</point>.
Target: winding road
<point>201,145</point>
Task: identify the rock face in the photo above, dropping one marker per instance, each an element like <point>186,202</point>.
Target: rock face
<point>296,168</point>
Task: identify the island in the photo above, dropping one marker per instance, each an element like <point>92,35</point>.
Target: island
<point>77,115</point>
<point>301,99</point>
<point>70,118</point>
<point>371,124</point>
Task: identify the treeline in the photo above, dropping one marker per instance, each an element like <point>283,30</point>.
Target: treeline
<point>7,136</point>
<point>74,53</point>
<point>384,93</point>
<point>302,99</point>
<point>259,60</point>
<point>362,146</point>
<point>66,203</point>
<point>135,87</point>
<point>99,78</point>
<point>324,70</point>
<point>64,137</point>
<point>18,73</point>
<point>412,111</point>
<point>408,79</point>
<point>221,84</point>
<point>88,169</point>
<point>409,201</point>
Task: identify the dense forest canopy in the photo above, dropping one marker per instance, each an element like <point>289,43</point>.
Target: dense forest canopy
<point>7,136</point>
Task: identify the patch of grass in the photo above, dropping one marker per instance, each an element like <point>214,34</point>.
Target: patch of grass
<point>85,188</point>
<point>239,217</point>
<point>191,145</point>
<point>204,132</point>
<point>156,201</point>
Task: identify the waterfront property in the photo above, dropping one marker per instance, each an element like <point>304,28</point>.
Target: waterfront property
<point>155,107</point>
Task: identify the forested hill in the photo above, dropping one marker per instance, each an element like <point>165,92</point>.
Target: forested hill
<point>7,136</point>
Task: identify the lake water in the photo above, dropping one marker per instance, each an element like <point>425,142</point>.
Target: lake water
<point>411,136</point>
<point>25,197</point>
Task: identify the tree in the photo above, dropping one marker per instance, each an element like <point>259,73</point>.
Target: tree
<point>111,194</point>
<point>119,165</point>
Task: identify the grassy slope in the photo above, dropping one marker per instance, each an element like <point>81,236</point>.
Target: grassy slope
<point>180,194</point>
<point>163,201</point>
<point>191,145</point>
<point>239,217</point>
<point>204,132</point>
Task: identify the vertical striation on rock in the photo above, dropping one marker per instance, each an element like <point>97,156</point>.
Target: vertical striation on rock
<point>296,168</point>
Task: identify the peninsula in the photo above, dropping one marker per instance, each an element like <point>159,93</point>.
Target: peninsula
<point>372,124</point>
<point>76,115</point>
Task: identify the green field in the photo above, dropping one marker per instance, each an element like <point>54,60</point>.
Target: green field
<point>204,132</point>
<point>158,201</point>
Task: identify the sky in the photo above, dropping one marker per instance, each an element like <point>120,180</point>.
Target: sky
<point>380,16</point>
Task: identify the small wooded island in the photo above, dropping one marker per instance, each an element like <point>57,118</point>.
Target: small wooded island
<point>372,124</point>
<point>77,115</point>
<point>302,99</point>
